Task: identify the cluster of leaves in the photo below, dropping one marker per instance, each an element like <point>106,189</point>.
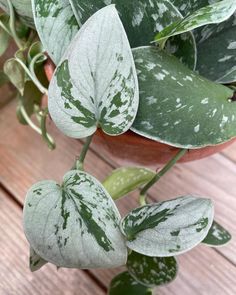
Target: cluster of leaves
<point>100,82</point>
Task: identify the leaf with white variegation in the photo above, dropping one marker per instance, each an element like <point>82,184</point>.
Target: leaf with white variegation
<point>55,24</point>
<point>142,20</point>
<point>35,262</point>
<point>168,228</point>
<point>152,271</point>
<point>187,7</point>
<point>211,14</point>
<point>179,107</point>
<point>217,236</point>
<point>125,284</point>
<point>74,225</point>
<point>125,180</point>
<point>96,83</point>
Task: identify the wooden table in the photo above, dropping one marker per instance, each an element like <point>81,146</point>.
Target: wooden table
<point>24,160</point>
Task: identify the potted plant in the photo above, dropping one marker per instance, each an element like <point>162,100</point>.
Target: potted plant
<point>148,98</point>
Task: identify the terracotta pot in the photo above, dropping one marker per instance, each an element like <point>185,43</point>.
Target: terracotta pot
<point>131,148</point>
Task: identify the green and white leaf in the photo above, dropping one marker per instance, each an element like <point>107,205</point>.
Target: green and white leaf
<point>96,83</point>
<point>125,284</point>
<point>56,25</point>
<point>187,7</point>
<point>75,225</point>
<point>178,107</point>
<point>125,180</point>
<point>142,20</point>
<point>152,271</point>
<point>218,63</point>
<point>217,236</point>
<point>23,9</point>
<point>168,228</point>
<point>35,261</point>
<point>212,14</point>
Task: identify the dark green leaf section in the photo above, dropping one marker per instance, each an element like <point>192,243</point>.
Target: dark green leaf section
<point>217,236</point>
<point>189,6</point>
<point>63,78</point>
<point>152,271</point>
<point>177,106</point>
<point>125,284</point>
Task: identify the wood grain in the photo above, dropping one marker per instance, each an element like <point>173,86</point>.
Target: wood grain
<point>24,159</point>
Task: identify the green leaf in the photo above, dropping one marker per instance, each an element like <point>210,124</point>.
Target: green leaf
<point>36,49</point>
<point>211,14</point>
<point>178,107</point>
<point>35,261</point>
<point>3,78</point>
<point>142,20</point>
<point>217,236</point>
<point>124,284</point>
<point>74,225</point>
<point>56,26</point>
<point>4,41</point>
<point>187,7</point>
<point>96,82</point>
<point>168,228</point>
<point>218,63</point>
<point>15,73</point>
<point>23,9</point>
<point>125,180</point>
<point>152,271</point>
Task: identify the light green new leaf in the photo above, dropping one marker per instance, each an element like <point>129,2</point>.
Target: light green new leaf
<point>96,81</point>
<point>4,41</point>
<point>142,20</point>
<point>168,228</point>
<point>152,271</point>
<point>35,261</point>
<point>124,284</point>
<point>15,73</point>
<point>211,14</point>
<point>217,236</point>
<point>56,25</point>
<point>125,180</point>
<point>74,225</point>
<point>178,107</point>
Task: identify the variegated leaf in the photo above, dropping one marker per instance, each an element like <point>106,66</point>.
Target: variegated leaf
<point>125,284</point>
<point>178,107</point>
<point>125,180</point>
<point>217,236</point>
<point>74,225</point>
<point>168,228</point>
<point>187,7</point>
<point>55,24</point>
<point>152,271</point>
<point>142,21</point>
<point>211,14</point>
<point>23,9</point>
<point>36,262</point>
<point>96,83</point>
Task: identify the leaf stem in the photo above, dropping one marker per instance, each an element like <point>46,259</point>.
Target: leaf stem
<point>47,138</point>
<point>162,172</point>
<point>79,164</point>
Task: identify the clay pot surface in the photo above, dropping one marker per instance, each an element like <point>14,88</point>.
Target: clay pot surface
<point>131,148</point>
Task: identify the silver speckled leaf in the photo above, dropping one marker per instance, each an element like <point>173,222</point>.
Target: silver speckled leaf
<point>217,236</point>
<point>35,261</point>
<point>96,83</point>
<point>168,228</point>
<point>178,107</point>
<point>75,225</point>
<point>55,24</point>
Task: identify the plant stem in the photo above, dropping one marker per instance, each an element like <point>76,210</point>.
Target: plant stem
<point>47,138</point>
<point>79,164</point>
<point>162,172</point>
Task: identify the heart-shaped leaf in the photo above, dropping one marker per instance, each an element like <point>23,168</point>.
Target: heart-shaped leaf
<point>125,180</point>
<point>125,284</point>
<point>177,106</point>
<point>36,262</point>
<point>211,14</point>
<point>142,20</point>
<point>152,271</point>
<point>4,41</point>
<point>55,24</point>
<point>96,82</point>
<point>15,73</point>
<point>217,236</point>
<point>168,228</point>
<point>74,225</point>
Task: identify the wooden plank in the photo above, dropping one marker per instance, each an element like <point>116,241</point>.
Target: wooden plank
<point>230,153</point>
<point>24,160</point>
<point>15,276</point>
